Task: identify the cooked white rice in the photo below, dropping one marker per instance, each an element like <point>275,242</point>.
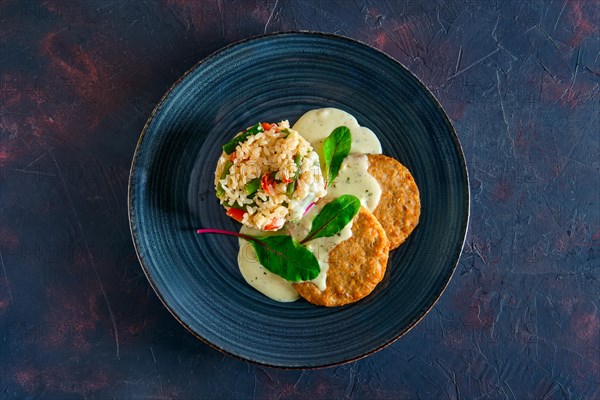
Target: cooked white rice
<point>270,157</point>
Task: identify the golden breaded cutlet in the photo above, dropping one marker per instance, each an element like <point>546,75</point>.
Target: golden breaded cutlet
<point>400,206</point>
<point>356,265</point>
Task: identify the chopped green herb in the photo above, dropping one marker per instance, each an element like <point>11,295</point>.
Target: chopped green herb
<point>230,146</point>
<point>292,185</point>
<point>252,186</point>
<point>220,190</point>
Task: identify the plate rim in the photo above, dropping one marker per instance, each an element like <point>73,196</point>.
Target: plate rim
<point>130,211</point>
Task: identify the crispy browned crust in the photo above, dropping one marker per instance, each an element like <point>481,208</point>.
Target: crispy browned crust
<point>356,265</point>
<point>399,208</point>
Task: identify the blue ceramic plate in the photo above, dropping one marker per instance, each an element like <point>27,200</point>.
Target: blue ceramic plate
<point>171,194</point>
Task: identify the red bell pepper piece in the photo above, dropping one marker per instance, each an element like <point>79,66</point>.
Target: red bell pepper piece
<point>267,182</point>
<point>236,213</point>
<point>266,126</point>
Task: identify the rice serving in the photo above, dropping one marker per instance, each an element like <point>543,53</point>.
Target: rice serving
<point>267,175</point>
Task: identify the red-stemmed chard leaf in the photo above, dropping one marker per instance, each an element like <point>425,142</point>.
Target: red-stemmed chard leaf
<point>279,254</point>
<point>333,217</point>
<point>335,148</point>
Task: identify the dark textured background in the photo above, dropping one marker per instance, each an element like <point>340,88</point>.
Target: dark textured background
<point>519,79</point>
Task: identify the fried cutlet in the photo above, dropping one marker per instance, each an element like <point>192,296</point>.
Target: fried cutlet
<point>356,265</point>
<point>399,208</point>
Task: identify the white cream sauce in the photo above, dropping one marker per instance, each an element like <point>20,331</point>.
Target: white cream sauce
<point>316,125</point>
<point>354,178</point>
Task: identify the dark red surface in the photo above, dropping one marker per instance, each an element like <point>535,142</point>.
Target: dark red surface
<point>520,80</point>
